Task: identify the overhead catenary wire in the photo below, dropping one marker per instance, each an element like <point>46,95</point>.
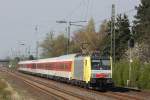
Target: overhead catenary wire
<point>91,8</point>
<point>129,11</point>
<point>87,2</point>
<point>75,9</point>
<point>109,18</point>
<point>68,16</point>
<point>87,9</point>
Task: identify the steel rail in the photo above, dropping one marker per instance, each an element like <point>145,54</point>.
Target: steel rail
<point>40,85</point>
<point>50,90</point>
<point>117,95</point>
<point>56,88</point>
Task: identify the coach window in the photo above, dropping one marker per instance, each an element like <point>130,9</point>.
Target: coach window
<point>46,65</point>
<point>49,66</point>
<point>55,67</point>
<point>23,66</point>
<point>34,66</point>
<point>65,66</point>
<point>38,66</point>
<point>60,66</point>
<point>52,64</point>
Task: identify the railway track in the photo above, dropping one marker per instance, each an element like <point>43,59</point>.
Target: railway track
<point>123,96</point>
<point>117,95</point>
<point>58,89</point>
<point>61,94</point>
<point>53,91</point>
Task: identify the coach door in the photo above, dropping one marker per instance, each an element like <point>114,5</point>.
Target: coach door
<point>78,68</point>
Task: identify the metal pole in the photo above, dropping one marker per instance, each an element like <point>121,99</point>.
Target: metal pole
<point>37,51</point>
<point>130,67</point>
<point>37,43</point>
<point>111,37</point>
<point>112,52</point>
<point>69,27</point>
<point>114,40</point>
<point>28,52</point>
<point>68,43</point>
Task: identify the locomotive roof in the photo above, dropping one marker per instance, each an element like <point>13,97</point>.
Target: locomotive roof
<point>54,59</point>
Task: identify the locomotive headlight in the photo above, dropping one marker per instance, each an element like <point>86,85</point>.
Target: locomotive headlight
<point>109,75</point>
<point>93,75</point>
<point>109,81</point>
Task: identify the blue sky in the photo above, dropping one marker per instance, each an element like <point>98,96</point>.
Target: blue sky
<point>18,19</point>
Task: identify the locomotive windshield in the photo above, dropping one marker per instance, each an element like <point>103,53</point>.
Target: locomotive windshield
<point>101,64</point>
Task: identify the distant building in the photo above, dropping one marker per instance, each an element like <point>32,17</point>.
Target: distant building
<point>4,63</point>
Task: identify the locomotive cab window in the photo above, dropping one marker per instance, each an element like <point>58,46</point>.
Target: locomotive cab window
<point>101,64</point>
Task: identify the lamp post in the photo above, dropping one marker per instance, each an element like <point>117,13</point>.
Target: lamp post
<point>130,46</point>
<point>21,53</point>
<point>25,52</point>
<point>70,23</point>
<point>37,43</point>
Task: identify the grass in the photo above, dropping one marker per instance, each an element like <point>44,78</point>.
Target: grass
<point>9,93</point>
<point>4,93</point>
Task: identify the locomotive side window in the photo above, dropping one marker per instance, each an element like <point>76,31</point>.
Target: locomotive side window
<point>85,62</point>
<point>106,62</point>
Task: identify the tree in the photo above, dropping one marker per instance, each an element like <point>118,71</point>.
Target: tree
<point>142,21</point>
<point>104,37</point>
<point>60,46</point>
<point>31,57</point>
<point>142,28</point>
<point>54,46</point>
<point>47,45</point>
<point>102,30</point>
<point>122,35</point>
<point>86,35</point>
<point>90,28</point>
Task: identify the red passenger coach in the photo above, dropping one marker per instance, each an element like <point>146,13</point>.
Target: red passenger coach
<point>51,67</point>
<point>56,66</point>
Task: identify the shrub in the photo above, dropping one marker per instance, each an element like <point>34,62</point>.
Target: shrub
<point>144,78</point>
<point>120,73</point>
<point>4,94</point>
<point>140,76</point>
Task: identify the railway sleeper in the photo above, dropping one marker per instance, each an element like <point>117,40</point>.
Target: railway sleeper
<point>98,84</point>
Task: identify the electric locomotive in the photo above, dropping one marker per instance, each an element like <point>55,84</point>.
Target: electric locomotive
<point>93,71</point>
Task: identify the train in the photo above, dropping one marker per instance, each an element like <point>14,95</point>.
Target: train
<point>89,71</point>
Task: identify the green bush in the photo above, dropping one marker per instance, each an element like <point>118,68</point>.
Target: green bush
<point>140,74</point>
<point>135,72</point>
<point>120,73</point>
<point>144,78</point>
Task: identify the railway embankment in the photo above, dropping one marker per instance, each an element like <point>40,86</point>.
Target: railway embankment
<point>12,88</point>
<point>7,92</point>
